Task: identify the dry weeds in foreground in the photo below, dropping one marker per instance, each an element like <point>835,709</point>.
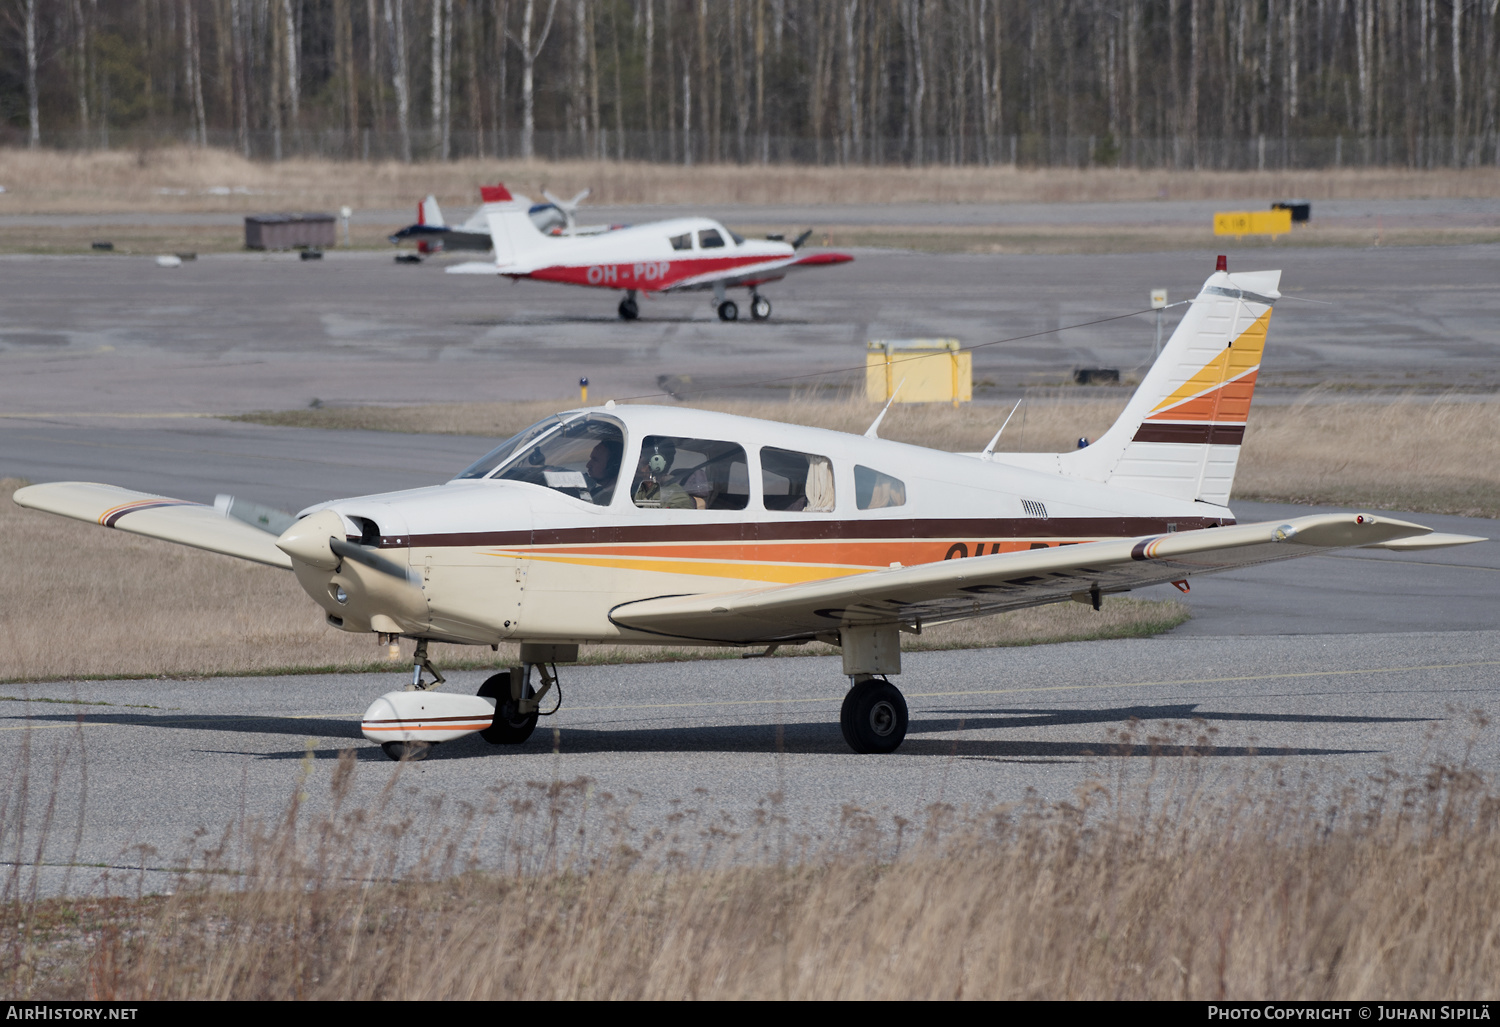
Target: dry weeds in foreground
<point>80,601</point>
<point>49,181</point>
<point>1145,887</point>
<point>1420,454</point>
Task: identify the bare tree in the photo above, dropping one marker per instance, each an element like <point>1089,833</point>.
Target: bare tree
<point>193,70</point>
<point>395,23</point>
<point>34,136</point>
<point>529,54</point>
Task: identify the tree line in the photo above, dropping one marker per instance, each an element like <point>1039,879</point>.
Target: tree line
<point>1179,83</point>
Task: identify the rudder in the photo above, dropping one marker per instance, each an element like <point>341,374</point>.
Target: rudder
<point>1181,432</point>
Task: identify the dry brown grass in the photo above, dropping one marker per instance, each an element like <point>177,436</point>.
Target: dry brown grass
<point>70,182</point>
<point>1145,887</point>
<point>79,601</point>
<point>1423,454</point>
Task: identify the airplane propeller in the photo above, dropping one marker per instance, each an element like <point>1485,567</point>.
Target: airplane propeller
<point>359,554</point>
<point>797,242</point>
<point>567,207</point>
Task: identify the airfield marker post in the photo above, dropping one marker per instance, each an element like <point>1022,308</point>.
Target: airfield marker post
<point>1158,303</point>
<point>583,392</point>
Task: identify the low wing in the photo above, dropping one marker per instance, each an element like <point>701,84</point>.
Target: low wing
<point>767,271</point>
<point>978,586</point>
<point>172,520</point>
<point>451,238</point>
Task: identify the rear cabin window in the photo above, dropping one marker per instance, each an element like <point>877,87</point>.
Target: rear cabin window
<point>876,491</point>
<point>690,474</point>
<point>739,240</point>
<point>683,241</point>
<point>581,460</point>
<point>796,482</point>
<point>710,239</point>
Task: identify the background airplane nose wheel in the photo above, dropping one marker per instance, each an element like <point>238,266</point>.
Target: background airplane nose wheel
<point>411,751</point>
<point>629,309</point>
<point>874,716</point>
<point>760,307</point>
<point>508,727</point>
<point>729,311</point>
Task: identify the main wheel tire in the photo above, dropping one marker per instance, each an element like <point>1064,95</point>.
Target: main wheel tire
<point>729,311</point>
<point>760,308</point>
<point>874,716</point>
<point>508,727</point>
<point>629,309</point>
<point>412,751</point>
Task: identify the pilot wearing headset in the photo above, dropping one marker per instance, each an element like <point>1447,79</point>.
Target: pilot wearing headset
<point>656,486</point>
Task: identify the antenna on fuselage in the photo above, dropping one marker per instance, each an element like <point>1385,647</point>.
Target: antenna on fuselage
<point>870,431</point>
<point>989,450</point>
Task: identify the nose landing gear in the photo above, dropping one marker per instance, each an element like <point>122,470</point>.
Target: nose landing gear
<point>760,307</point>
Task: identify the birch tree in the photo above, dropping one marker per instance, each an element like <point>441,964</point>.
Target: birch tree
<point>529,54</point>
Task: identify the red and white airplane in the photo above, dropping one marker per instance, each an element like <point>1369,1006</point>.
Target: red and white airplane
<point>661,256</point>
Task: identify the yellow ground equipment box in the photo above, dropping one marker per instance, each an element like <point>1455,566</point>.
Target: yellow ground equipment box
<point>1253,222</point>
<point>925,370</point>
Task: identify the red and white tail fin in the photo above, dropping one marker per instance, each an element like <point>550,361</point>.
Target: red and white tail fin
<point>513,233</point>
<point>429,214</point>
<point>1180,434</point>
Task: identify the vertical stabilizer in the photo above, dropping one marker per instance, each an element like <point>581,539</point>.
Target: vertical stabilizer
<point>1180,434</point>
<point>514,235</point>
<point>429,214</point>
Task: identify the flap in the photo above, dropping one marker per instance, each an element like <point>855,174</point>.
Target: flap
<point>171,520</point>
<point>977,586</point>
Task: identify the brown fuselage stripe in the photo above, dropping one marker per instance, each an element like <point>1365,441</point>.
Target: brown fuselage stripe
<point>1213,434</point>
<point>109,522</point>
<point>814,531</point>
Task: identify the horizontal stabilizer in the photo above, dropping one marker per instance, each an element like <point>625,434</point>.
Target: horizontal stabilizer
<point>171,520</point>
<point>1437,540</point>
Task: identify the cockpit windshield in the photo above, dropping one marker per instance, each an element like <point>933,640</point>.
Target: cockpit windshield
<point>482,467</point>
<point>580,459</point>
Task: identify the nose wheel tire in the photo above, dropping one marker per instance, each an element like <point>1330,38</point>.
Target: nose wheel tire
<point>874,716</point>
<point>729,311</point>
<point>412,751</point>
<point>760,308</point>
<point>629,309</point>
<point>509,727</point>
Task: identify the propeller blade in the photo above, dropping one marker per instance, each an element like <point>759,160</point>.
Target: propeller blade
<point>547,194</point>
<point>266,518</point>
<point>359,554</point>
<point>797,242</point>
<point>575,201</point>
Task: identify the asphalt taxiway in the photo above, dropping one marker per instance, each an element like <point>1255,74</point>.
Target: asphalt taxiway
<point>1338,664</point>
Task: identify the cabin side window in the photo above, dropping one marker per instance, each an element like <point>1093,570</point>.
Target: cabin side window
<point>876,491</point>
<point>581,460</point>
<point>796,482</point>
<point>683,241</point>
<point>710,239</point>
<point>690,474</point>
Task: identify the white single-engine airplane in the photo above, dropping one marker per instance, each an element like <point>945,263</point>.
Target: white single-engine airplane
<point>650,525</point>
<point>678,255</point>
<point>433,234</point>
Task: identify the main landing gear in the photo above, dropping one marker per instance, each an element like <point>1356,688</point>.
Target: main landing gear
<point>760,307</point>
<point>629,308</point>
<point>874,716</point>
